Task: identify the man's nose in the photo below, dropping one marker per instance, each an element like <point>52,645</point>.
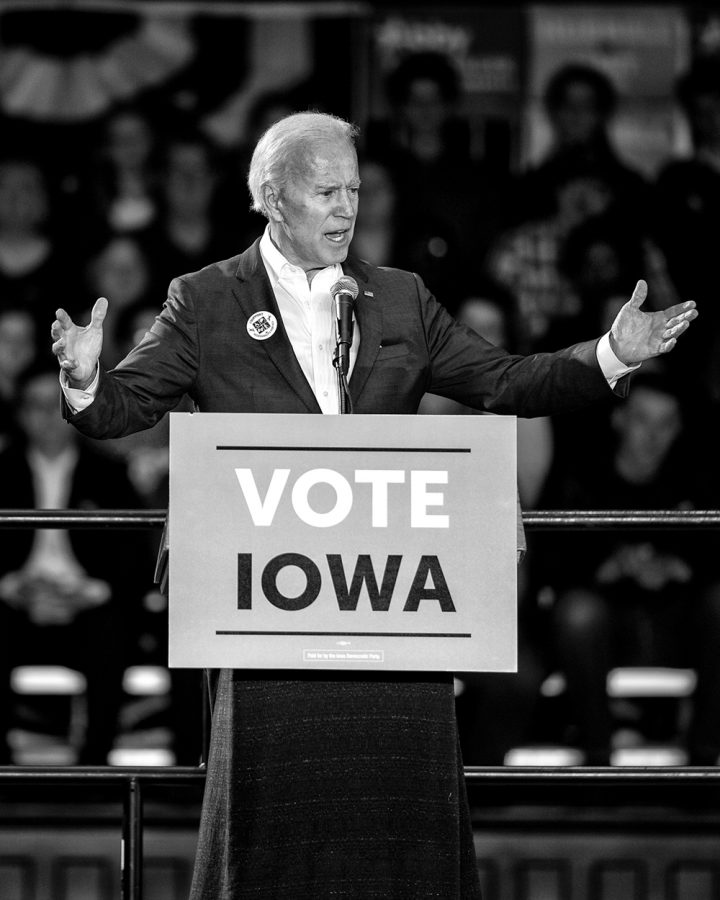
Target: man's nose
<point>345,205</point>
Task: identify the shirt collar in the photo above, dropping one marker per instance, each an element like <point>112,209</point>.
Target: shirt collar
<point>277,265</point>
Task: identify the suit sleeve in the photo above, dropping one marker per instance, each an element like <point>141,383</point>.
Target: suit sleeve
<point>467,368</point>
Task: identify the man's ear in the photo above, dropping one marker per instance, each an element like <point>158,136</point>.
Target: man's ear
<point>273,202</point>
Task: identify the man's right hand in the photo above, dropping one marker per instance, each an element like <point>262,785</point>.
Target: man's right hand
<point>78,349</point>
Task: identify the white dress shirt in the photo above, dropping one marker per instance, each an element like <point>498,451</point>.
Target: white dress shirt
<point>308,314</point>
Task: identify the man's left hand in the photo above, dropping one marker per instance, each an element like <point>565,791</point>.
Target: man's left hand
<point>636,335</point>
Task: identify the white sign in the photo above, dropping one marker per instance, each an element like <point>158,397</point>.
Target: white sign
<point>352,542</point>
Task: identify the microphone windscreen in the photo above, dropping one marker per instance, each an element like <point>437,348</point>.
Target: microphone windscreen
<point>345,285</point>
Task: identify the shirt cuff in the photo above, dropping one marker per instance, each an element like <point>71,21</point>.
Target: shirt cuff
<point>612,368</point>
<point>76,399</point>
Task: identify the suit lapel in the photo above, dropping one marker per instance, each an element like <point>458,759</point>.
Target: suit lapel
<point>254,294</point>
<point>368,311</point>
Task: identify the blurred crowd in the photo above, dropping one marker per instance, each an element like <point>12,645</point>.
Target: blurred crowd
<point>532,259</point>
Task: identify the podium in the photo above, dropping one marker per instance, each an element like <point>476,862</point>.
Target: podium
<point>311,542</point>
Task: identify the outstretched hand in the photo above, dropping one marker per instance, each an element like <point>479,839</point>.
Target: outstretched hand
<point>78,348</point>
<point>636,335</point>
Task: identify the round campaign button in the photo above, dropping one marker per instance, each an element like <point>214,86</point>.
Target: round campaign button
<point>262,325</point>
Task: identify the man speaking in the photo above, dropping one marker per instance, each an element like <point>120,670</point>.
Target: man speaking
<point>323,784</point>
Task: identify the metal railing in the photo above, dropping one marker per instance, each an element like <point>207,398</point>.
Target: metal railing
<point>130,781</point>
<point>656,782</point>
<point>536,520</point>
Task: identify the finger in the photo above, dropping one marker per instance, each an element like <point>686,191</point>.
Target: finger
<point>681,309</point>
<point>667,346</point>
<point>675,330</point>
<point>639,294</point>
<point>64,319</point>
<point>682,317</point>
<point>56,330</point>
<point>98,313</point>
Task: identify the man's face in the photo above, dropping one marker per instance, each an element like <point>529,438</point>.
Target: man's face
<point>577,119</point>
<point>313,220</point>
<point>425,108</point>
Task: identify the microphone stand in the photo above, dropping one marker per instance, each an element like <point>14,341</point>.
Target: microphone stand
<point>340,361</point>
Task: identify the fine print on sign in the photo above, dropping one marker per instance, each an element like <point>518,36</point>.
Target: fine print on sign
<point>352,542</point>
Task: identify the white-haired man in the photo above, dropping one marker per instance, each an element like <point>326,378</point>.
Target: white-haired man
<point>318,784</point>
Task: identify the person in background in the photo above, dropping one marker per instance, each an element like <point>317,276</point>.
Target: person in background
<point>450,202</point>
<point>580,103</point>
<point>34,259</point>
<point>188,232</point>
<point>598,258</point>
<point>67,597</point>
<point>291,753</point>
<point>121,192</point>
<point>496,712</point>
<point>492,312</point>
<point>378,232</point>
<point>636,598</point>
<point>18,350</point>
<point>527,258</point>
<point>119,268</point>
<point>688,220</point>
<point>146,455</point>
<point>427,125</point>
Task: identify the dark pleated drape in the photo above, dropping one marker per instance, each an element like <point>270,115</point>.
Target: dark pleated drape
<point>325,786</point>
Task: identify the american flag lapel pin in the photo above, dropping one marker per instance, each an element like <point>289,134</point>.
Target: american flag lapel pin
<point>368,294</point>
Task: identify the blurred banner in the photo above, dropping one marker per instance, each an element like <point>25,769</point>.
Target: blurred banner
<point>640,48</point>
<point>63,69</point>
<point>488,47</point>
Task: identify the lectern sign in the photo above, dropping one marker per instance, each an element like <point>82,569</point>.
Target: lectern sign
<point>342,542</point>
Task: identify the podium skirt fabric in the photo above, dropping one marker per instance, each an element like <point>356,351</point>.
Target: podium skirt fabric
<point>344,786</point>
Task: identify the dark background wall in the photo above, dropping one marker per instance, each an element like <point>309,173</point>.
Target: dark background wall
<point>63,69</point>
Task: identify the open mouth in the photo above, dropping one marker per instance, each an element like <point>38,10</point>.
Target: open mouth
<point>337,237</point>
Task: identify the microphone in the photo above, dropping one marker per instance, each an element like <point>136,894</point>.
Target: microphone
<point>344,292</point>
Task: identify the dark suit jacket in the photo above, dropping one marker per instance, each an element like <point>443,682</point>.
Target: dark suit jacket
<point>409,345</point>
